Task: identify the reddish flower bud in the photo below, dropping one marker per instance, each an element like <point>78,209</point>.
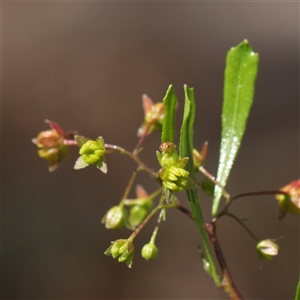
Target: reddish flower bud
<point>153,116</point>
<point>289,203</point>
<point>51,145</point>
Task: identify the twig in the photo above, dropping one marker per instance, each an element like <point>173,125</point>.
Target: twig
<point>227,283</point>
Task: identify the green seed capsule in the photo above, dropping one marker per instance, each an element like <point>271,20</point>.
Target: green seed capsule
<point>149,251</point>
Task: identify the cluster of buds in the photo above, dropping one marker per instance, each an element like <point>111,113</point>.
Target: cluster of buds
<point>289,202</point>
<point>173,175</point>
<point>91,153</point>
<point>123,250</point>
<point>52,145</point>
<point>118,217</point>
<point>154,116</point>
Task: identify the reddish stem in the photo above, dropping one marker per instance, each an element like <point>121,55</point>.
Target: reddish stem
<point>227,283</point>
<point>134,152</point>
<point>260,193</point>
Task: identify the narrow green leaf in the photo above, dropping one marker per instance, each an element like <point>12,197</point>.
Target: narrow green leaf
<point>187,130</point>
<point>186,150</point>
<point>168,129</point>
<point>240,76</point>
<point>297,297</point>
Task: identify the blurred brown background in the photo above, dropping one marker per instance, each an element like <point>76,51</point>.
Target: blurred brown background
<point>86,66</point>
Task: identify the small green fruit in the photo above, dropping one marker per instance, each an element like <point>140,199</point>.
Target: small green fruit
<point>149,251</point>
<point>115,218</point>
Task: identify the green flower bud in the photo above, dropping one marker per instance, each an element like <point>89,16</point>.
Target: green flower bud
<point>174,178</point>
<point>123,250</point>
<point>116,247</point>
<point>168,156</point>
<point>115,218</point>
<point>267,249</point>
<point>173,174</point>
<point>91,152</point>
<point>139,207</point>
<point>138,213</point>
<point>149,251</point>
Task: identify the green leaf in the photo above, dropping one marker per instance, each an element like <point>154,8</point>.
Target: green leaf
<point>297,297</point>
<point>186,150</point>
<point>187,130</point>
<point>168,129</point>
<point>240,76</point>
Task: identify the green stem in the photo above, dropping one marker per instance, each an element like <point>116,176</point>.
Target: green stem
<point>195,207</point>
<point>128,188</point>
<point>153,212</point>
<point>153,237</point>
<point>142,225</point>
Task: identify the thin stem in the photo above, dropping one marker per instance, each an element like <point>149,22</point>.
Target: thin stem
<point>213,179</point>
<point>256,239</point>
<point>149,197</point>
<point>260,193</point>
<point>141,165</point>
<point>153,212</point>
<point>153,237</point>
<point>184,209</point>
<point>227,283</point>
<point>142,225</point>
<point>70,142</point>
<point>128,188</point>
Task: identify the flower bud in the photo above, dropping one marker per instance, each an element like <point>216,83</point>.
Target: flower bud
<point>51,145</point>
<point>199,158</point>
<point>91,152</point>
<point>267,249</point>
<point>138,213</point>
<point>172,174</point>
<point>149,251</point>
<point>123,250</point>
<point>289,203</point>
<point>168,156</point>
<point>174,178</point>
<point>153,116</point>
<point>139,207</point>
<point>115,218</point>
<point>48,139</point>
